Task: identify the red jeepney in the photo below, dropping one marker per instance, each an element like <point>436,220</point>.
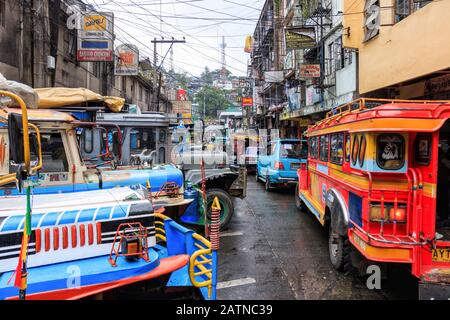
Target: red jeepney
<point>378,176</point>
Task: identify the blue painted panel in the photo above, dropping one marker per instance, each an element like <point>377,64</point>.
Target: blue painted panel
<point>120,211</point>
<point>12,223</point>
<point>50,219</point>
<point>103,213</point>
<point>355,208</point>
<point>35,218</point>
<point>68,217</point>
<point>86,215</point>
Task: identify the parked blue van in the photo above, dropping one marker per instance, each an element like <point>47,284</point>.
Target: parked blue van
<point>279,166</point>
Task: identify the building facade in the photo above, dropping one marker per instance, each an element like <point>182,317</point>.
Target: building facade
<point>39,50</point>
<point>288,96</point>
<point>403,50</point>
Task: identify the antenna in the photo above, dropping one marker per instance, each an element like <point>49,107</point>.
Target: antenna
<point>223,46</point>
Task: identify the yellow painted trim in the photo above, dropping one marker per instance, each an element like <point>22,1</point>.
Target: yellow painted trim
<point>378,253</point>
<point>316,206</point>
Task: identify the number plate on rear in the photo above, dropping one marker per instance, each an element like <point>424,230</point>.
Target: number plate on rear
<point>441,255</point>
<point>295,165</point>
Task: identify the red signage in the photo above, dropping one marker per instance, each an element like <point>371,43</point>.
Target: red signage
<point>94,55</point>
<point>247,102</point>
<point>181,95</point>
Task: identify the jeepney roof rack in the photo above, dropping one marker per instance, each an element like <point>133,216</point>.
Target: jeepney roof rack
<point>365,104</point>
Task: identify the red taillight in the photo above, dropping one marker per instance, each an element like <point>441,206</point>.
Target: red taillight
<point>398,215</point>
<point>279,165</point>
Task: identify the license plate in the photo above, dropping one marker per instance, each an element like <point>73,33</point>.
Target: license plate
<point>441,254</point>
<point>295,165</point>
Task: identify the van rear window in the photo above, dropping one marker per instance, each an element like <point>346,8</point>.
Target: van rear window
<point>390,151</point>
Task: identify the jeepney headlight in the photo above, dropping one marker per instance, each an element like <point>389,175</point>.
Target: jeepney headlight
<point>389,215</point>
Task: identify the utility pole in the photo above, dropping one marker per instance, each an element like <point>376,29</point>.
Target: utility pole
<point>156,68</point>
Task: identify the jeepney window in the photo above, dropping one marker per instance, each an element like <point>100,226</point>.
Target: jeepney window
<point>422,147</point>
<point>54,158</point>
<point>347,147</point>
<point>88,139</point>
<point>390,151</point>
<point>362,151</point>
<point>323,145</point>
<point>355,149</point>
<point>142,139</point>
<point>337,148</point>
<point>313,147</point>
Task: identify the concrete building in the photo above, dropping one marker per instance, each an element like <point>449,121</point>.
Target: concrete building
<point>289,98</point>
<point>39,50</point>
<point>403,51</point>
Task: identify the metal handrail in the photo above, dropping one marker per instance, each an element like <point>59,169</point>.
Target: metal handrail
<point>204,252</point>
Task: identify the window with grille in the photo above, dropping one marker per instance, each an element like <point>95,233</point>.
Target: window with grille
<point>404,8</point>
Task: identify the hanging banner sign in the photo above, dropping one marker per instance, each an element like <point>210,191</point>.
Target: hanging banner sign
<point>310,70</point>
<point>248,44</point>
<point>126,60</point>
<point>96,37</point>
<point>247,102</point>
<point>300,38</point>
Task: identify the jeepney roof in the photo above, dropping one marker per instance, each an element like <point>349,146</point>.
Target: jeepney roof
<point>417,116</point>
<point>38,115</point>
<point>132,119</point>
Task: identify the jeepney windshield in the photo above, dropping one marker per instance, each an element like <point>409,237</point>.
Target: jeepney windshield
<point>293,149</point>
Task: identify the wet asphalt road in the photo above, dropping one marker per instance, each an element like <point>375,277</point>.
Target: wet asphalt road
<point>284,252</point>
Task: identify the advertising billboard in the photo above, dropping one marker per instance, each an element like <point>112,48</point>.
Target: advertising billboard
<point>126,60</point>
<point>96,37</point>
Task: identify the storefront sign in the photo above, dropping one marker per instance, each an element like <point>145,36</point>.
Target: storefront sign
<point>247,102</point>
<point>300,37</point>
<point>437,85</point>
<point>310,70</point>
<point>96,37</point>
<point>126,60</point>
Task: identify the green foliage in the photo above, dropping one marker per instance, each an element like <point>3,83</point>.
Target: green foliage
<point>214,98</point>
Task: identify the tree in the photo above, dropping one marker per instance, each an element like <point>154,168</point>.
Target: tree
<point>214,100</point>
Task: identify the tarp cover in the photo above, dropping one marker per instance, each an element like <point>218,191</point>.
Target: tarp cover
<point>61,97</point>
<point>27,93</point>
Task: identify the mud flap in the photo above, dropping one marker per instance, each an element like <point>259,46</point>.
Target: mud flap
<point>434,291</point>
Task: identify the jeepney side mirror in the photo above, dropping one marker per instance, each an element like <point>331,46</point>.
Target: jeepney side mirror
<point>15,135</point>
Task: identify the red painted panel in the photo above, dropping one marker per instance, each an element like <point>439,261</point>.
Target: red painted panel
<point>73,235</point>
<point>55,238</point>
<point>65,237</point>
<point>82,235</point>
<point>47,239</point>
<point>37,235</point>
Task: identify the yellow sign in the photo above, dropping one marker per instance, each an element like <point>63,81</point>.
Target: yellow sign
<point>441,255</point>
<point>95,23</point>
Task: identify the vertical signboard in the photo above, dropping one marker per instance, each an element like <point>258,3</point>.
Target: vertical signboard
<point>126,60</point>
<point>96,37</point>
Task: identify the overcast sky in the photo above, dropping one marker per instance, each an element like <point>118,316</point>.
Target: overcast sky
<point>201,22</point>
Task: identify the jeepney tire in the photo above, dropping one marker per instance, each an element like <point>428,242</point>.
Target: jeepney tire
<point>298,202</point>
<point>224,199</point>
<point>339,255</point>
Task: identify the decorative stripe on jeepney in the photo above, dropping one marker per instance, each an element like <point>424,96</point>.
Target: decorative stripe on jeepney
<point>50,219</point>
